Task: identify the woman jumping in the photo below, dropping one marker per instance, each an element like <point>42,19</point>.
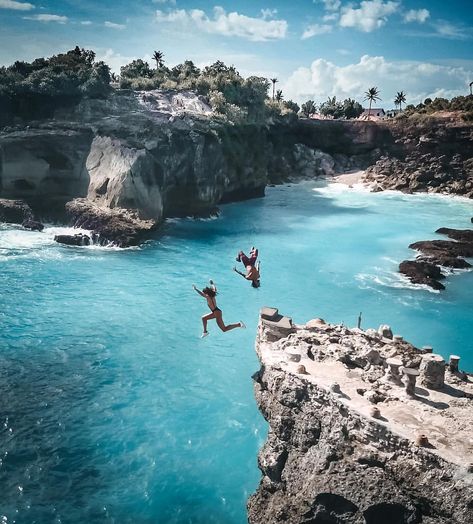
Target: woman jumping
<point>209,293</point>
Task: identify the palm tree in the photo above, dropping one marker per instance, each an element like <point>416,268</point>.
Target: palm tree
<point>274,80</point>
<point>401,99</point>
<point>471,87</point>
<point>279,95</point>
<point>372,95</point>
<point>159,57</point>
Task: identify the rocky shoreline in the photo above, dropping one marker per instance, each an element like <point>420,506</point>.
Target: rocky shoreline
<point>437,255</point>
<point>364,428</point>
<point>148,163</point>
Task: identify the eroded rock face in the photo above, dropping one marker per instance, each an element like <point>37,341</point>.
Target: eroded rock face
<point>422,272</point>
<point>45,167</point>
<point>435,157</point>
<point>327,459</point>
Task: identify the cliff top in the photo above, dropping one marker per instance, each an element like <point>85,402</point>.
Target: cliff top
<point>373,374</point>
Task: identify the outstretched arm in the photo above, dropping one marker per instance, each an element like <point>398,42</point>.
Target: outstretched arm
<point>239,272</point>
<point>198,290</point>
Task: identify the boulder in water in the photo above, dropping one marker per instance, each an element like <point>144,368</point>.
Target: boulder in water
<point>14,211</point>
<point>422,272</point>
<point>78,239</point>
<point>120,227</point>
<point>32,225</point>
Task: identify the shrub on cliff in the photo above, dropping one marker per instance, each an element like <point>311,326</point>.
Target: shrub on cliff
<point>36,88</point>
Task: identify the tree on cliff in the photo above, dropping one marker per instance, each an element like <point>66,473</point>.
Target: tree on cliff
<point>158,56</point>
<point>372,95</point>
<point>292,106</point>
<point>279,95</point>
<point>308,108</point>
<point>36,88</point>
<point>136,69</point>
<point>400,99</point>
<point>274,80</point>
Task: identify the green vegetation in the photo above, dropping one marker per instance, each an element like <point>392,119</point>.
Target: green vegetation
<point>36,88</point>
<point>372,95</point>
<point>464,104</point>
<point>228,92</point>
<point>400,99</point>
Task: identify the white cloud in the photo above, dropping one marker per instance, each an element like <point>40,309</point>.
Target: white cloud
<point>268,13</point>
<point>330,18</point>
<point>86,22</point>
<point>227,24</point>
<point>112,25</point>
<point>331,5</point>
<point>371,15</point>
<point>416,15</point>
<point>48,18</point>
<point>418,79</point>
<point>113,59</point>
<point>17,6</point>
<point>173,2</point>
<point>315,30</point>
<point>448,30</point>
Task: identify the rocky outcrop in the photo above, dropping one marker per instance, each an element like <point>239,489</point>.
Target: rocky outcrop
<point>14,211</point>
<point>120,227</point>
<point>347,443</point>
<point>422,272</point>
<point>438,254</point>
<point>436,157</point>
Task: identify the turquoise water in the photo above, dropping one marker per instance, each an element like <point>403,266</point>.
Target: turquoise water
<point>113,410</point>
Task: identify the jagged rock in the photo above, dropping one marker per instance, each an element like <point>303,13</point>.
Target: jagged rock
<point>448,248</point>
<point>328,460</point>
<point>420,272</point>
<point>14,211</point>
<point>32,225</point>
<point>119,227</point>
<point>79,239</point>
<point>462,235</point>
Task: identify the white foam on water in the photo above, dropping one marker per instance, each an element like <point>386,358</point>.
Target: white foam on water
<point>390,279</point>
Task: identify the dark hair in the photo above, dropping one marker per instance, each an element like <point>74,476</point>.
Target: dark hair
<point>255,283</point>
<point>209,292</point>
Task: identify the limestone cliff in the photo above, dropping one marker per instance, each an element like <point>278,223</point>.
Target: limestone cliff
<point>346,442</point>
<point>164,154</point>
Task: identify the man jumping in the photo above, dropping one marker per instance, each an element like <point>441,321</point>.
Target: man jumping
<point>251,265</point>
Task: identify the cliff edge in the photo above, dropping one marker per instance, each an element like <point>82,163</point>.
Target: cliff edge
<point>363,428</point>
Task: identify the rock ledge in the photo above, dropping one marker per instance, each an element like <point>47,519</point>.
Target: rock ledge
<point>347,443</point>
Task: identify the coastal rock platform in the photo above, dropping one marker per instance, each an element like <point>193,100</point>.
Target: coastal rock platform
<point>353,438</point>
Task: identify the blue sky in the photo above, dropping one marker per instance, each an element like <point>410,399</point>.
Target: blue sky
<point>315,48</point>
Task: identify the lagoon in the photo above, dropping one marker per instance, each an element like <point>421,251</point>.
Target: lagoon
<point>114,410</point>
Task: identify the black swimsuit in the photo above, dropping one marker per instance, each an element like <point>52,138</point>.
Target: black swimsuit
<point>215,304</point>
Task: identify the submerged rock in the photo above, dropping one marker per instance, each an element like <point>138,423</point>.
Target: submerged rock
<point>120,227</point>
<point>14,211</point>
<point>32,225</point>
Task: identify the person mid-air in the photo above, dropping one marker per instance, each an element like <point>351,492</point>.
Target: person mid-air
<point>210,293</point>
<point>252,267</point>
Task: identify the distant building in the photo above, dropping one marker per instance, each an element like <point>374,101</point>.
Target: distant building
<point>375,113</point>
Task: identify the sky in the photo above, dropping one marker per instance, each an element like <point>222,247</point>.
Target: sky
<point>315,48</point>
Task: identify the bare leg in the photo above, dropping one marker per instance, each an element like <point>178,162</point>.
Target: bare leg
<point>206,318</point>
<point>223,327</point>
